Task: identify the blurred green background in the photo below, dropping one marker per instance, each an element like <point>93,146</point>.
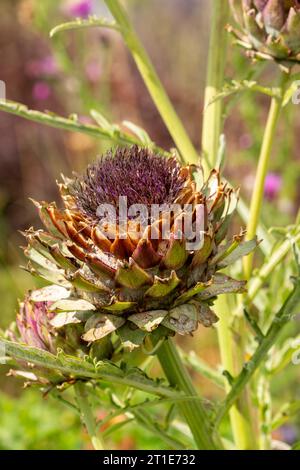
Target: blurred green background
<point>79,71</point>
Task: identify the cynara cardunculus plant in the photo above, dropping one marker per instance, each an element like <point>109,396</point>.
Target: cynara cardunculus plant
<point>269,29</point>
<point>133,277</point>
<point>141,249</point>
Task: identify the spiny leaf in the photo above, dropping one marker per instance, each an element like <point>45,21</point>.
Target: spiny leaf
<point>80,368</point>
<point>92,21</point>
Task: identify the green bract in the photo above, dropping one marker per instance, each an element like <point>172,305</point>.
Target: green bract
<point>269,29</point>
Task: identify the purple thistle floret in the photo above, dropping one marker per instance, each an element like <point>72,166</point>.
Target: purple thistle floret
<point>80,9</point>
<point>139,174</point>
<point>272,186</point>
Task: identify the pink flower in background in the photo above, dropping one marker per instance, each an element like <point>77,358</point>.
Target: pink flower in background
<point>79,8</point>
<point>41,91</point>
<point>93,71</point>
<point>49,66</point>
<point>46,66</point>
<point>273,185</point>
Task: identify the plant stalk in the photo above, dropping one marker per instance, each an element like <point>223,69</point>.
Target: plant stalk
<point>153,83</point>
<point>212,128</point>
<point>212,117</point>
<point>87,415</point>
<point>262,168</point>
<point>194,413</point>
<point>239,413</point>
<point>282,318</point>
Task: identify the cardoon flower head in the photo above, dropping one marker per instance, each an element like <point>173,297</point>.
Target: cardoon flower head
<point>144,178</point>
<point>129,278</point>
<point>269,29</point>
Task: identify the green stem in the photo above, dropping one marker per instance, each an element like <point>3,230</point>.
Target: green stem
<point>194,413</point>
<point>153,83</point>
<point>212,128</point>
<point>281,319</point>
<point>255,210</point>
<point>87,415</point>
<point>277,257</point>
<point>239,413</point>
<point>212,119</point>
<point>262,168</point>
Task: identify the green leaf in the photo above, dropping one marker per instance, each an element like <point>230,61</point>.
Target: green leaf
<point>281,319</point>
<point>92,21</point>
<point>104,123</point>
<point>235,86</point>
<point>141,134</point>
<point>60,122</point>
<point>198,365</point>
<point>290,92</point>
<point>283,356</point>
<point>262,232</point>
<point>276,257</point>
<point>242,249</point>
<point>80,368</point>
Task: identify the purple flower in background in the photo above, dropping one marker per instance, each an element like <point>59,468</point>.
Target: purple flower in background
<point>273,185</point>
<point>93,71</point>
<point>46,66</point>
<point>288,433</point>
<point>49,66</point>
<point>80,8</point>
<point>41,91</point>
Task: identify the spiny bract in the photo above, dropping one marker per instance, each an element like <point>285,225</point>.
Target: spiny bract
<point>269,29</point>
<point>121,289</point>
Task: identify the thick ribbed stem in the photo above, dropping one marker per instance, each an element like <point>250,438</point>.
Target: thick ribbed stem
<point>212,118</point>
<point>239,414</point>
<point>262,168</point>
<point>194,413</point>
<point>212,128</point>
